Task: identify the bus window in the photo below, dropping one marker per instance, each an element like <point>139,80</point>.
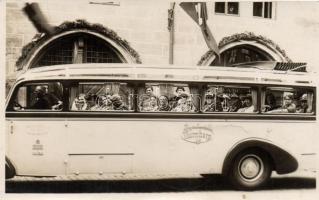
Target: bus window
<point>287,100</point>
<point>101,96</point>
<point>166,97</point>
<point>39,96</point>
<point>229,99</point>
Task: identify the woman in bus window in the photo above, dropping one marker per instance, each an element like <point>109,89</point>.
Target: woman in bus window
<point>289,106</point>
<point>152,105</point>
<point>145,99</point>
<point>79,103</point>
<point>118,103</point>
<point>163,103</point>
<point>212,104</point>
<point>249,107</point>
<point>181,104</point>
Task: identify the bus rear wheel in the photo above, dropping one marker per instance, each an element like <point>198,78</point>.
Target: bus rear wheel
<point>250,170</point>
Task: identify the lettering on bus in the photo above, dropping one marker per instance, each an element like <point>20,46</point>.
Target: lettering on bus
<point>37,148</point>
<point>197,134</point>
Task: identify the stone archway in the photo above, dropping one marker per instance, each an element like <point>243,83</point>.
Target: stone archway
<point>36,49</point>
<point>244,47</point>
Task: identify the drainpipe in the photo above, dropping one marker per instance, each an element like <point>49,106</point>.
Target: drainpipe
<point>171,32</point>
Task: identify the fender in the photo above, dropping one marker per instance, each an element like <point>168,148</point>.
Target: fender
<point>283,161</point>
<point>10,169</point>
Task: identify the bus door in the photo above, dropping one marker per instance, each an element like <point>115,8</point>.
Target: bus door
<point>95,139</point>
<point>35,131</point>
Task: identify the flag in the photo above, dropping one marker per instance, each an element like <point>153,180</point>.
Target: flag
<point>37,18</point>
<point>190,9</point>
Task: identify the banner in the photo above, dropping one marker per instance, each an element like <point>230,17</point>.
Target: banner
<point>190,9</point>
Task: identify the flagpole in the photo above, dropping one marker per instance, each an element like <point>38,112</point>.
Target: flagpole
<point>171,32</point>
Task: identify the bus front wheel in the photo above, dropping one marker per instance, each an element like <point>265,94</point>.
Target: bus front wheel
<point>250,170</point>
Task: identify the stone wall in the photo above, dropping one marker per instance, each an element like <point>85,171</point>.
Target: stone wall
<point>143,23</point>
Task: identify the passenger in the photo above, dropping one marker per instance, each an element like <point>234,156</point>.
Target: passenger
<point>242,99</point>
<point>179,91</point>
<point>181,104</point>
<point>289,106</point>
<point>303,108</point>
<point>43,100</point>
<point>270,103</point>
<point>104,103</point>
<point>249,107</point>
<point>118,103</point>
<point>234,103</point>
<point>163,103</point>
<point>79,103</point>
<point>190,107</point>
<point>209,105</point>
<point>212,104</point>
<point>145,100</point>
<point>90,100</point>
<point>152,105</point>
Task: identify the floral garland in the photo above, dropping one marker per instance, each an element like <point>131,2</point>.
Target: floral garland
<point>248,36</point>
<point>40,38</point>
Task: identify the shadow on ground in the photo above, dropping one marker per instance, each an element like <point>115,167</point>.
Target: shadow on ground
<point>212,183</point>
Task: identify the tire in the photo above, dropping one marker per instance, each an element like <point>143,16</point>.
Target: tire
<point>9,169</point>
<point>250,170</point>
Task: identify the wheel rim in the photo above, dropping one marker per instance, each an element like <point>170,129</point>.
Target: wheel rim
<point>250,168</point>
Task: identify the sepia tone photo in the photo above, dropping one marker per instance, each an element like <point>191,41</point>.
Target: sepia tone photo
<point>167,99</point>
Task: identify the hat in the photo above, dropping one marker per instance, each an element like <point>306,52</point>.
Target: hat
<point>234,96</point>
<point>180,87</point>
<point>288,97</point>
<point>184,95</point>
<point>209,95</point>
<point>304,97</point>
<point>115,97</point>
<point>248,96</point>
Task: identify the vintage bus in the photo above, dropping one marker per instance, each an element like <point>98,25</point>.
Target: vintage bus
<point>244,122</point>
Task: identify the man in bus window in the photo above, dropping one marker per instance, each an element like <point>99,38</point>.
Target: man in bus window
<point>179,91</point>
<point>145,100</point>
<point>43,100</point>
<point>289,106</point>
<point>163,103</point>
<point>270,102</point>
<point>234,103</point>
<point>303,108</point>
<point>249,107</point>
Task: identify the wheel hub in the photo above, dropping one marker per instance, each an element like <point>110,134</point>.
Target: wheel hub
<point>250,167</point>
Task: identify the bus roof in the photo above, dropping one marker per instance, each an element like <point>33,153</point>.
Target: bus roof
<point>110,71</point>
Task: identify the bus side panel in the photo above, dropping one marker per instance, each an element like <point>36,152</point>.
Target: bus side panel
<point>149,146</point>
<point>36,147</point>
<point>171,146</point>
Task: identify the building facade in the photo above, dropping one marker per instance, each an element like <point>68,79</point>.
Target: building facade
<point>138,32</point>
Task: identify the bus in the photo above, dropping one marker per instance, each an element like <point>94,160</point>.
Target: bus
<point>244,122</point>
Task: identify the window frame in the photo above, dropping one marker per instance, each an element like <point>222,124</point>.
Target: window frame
<point>307,88</point>
<point>135,113</point>
<point>226,8</point>
<point>273,10</point>
<point>10,105</point>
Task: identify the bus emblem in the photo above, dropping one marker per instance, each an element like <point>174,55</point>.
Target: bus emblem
<point>197,134</point>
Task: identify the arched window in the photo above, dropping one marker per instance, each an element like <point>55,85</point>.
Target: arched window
<point>241,54</point>
<point>78,48</point>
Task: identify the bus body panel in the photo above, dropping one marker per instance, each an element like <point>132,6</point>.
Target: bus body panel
<point>146,146</point>
<point>37,146</point>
